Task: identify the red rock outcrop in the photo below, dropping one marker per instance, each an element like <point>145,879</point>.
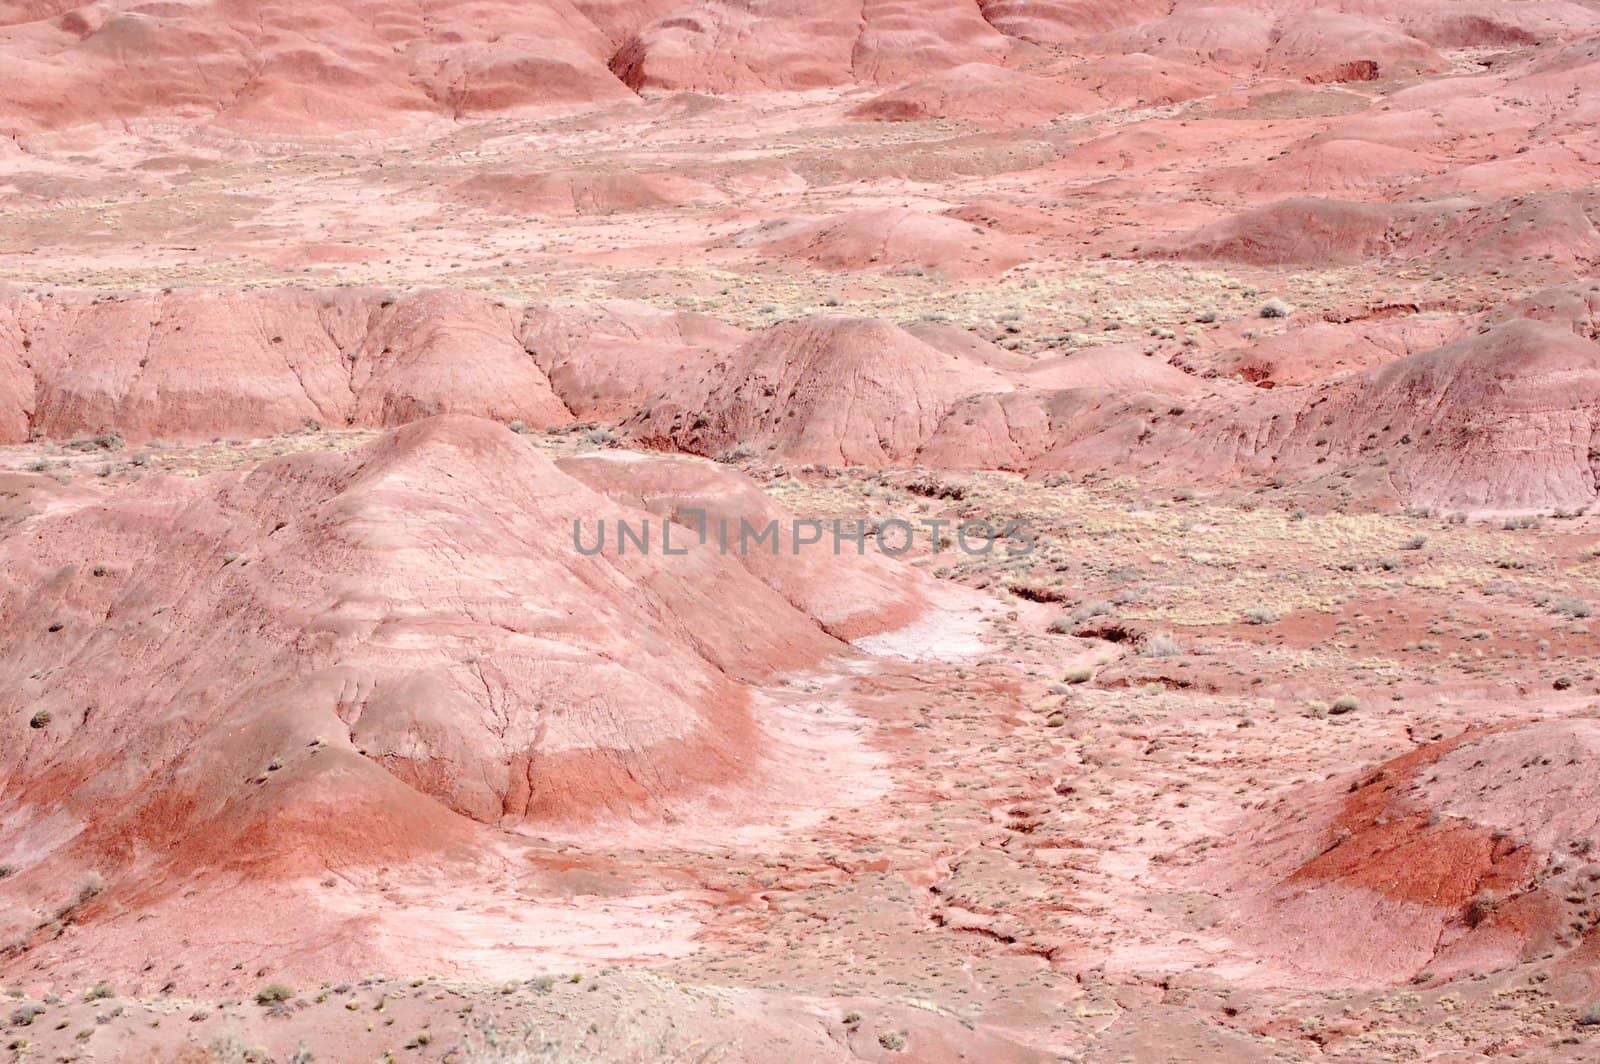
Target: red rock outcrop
<point>576,193</point>
<point>606,359</point>
<point>1451,859</point>
<point>265,68</point>
<point>202,363</point>
<point>747,45</point>
<point>1552,228</point>
<point>832,390</point>
<point>890,237</point>
<point>980,92</point>
<point>1505,420</point>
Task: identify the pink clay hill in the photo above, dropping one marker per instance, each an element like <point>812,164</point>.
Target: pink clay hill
<point>640,530</point>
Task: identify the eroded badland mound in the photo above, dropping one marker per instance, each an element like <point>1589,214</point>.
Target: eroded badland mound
<point>639,530</point>
<point>347,660</point>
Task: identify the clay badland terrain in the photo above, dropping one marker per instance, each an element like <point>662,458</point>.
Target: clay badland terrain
<point>1277,323</point>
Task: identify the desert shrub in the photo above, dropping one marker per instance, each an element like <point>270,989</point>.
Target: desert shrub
<point>1275,308</point>
<point>1344,704</point>
<point>931,487</point>
<point>1090,610</point>
<point>273,994</point>
<point>105,442</point>
<point>1161,645</point>
<point>24,1016</point>
<point>1480,908</point>
<point>99,992</point>
<point>1569,606</point>
<point>1262,615</point>
<point>227,1048</point>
